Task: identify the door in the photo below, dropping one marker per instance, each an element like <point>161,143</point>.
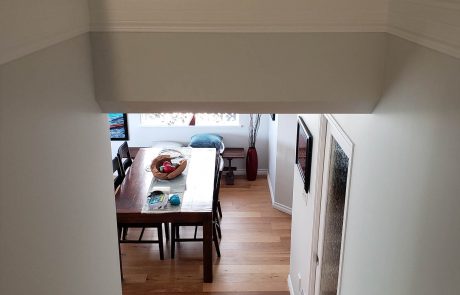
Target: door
<point>333,209</point>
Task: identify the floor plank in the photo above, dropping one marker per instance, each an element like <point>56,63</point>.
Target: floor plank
<point>255,251</point>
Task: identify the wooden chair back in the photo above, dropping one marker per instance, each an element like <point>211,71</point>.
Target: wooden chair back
<point>124,156</point>
<point>118,179</point>
<point>217,177</point>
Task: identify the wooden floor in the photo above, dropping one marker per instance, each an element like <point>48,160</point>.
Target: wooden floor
<point>255,249</point>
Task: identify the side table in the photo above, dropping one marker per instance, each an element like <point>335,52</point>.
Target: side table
<point>230,154</point>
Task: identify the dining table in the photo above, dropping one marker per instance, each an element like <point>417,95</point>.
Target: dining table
<point>196,198</point>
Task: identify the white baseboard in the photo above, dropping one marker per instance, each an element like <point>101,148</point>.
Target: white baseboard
<point>282,208</point>
<point>291,289</point>
<point>276,205</point>
<point>243,172</point>
<point>262,172</point>
<point>270,188</point>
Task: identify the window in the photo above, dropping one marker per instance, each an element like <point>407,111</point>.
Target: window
<point>190,119</point>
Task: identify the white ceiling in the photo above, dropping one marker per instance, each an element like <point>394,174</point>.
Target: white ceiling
<point>29,25</point>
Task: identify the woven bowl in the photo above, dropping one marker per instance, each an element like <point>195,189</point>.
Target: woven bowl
<point>158,162</point>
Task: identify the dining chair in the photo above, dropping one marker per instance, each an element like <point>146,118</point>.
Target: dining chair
<point>159,226</point>
<point>175,236</point>
<point>219,208</point>
<point>123,229</point>
<point>117,181</point>
<point>217,211</point>
<point>118,178</point>
<point>124,157</point>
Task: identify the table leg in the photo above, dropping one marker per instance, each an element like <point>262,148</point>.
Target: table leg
<point>119,251</point>
<point>229,177</point>
<point>207,249</point>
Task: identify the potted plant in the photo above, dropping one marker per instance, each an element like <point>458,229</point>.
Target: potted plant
<point>251,157</point>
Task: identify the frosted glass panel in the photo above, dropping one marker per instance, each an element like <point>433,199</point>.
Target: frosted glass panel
<point>334,219</point>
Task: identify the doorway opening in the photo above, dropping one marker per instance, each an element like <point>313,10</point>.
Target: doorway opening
<point>332,209</point>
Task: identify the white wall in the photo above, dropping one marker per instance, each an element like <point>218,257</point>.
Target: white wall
<point>238,72</point>
<point>57,211</point>
<point>234,136</point>
<point>302,214</point>
<point>285,159</point>
<point>403,231</point>
<point>272,150</point>
<point>30,25</point>
<point>282,143</point>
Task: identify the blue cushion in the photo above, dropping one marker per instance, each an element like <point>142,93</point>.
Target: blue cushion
<point>207,140</point>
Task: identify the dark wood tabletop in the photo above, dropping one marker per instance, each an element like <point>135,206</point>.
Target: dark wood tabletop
<point>196,204</point>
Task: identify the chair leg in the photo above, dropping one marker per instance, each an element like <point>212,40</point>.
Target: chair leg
<point>142,233</point>
<point>167,230</point>
<point>160,241</point>
<point>120,230</point>
<point>217,224</point>
<point>216,242</point>
<point>173,240</point>
<point>219,209</point>
<point>177,232</point>
<point>125,233</point>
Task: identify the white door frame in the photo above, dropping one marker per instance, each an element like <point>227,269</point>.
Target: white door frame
<point>328,126</point>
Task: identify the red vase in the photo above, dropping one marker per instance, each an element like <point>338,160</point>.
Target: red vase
<point>251,164</point>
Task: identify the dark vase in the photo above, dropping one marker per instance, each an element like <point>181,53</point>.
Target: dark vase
<point>251,164</point>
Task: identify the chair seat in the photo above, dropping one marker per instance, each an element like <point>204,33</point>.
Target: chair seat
<point>175,237</point>
<point>159,226</point>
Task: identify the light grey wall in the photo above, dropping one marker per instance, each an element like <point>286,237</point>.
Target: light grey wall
<point>272,149</point>
<point>285,159</point>
<point>30,25</point>
<point>57,211</point>
<point>302,214</point>
<point>238,72</point>
<point>234,136</point>
<point>403,231</point>
<point>282,143</point>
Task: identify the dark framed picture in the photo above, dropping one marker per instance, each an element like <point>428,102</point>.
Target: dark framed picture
<point>303,155</point>
<point>118,123</point>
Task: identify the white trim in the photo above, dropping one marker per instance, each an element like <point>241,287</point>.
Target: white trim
<point>30,47</point>
<point>291,289</point>
<point>335,131</point>
<point>427,41</point>
<point>348,144</point>
<point>317,202</point>
<point>282,208</point>
<point>240,172</point>
<point>261,171</point>
<point>276,205</point>
<point>270,188</point>
<point>349,151</point>
<point>134,26</point>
